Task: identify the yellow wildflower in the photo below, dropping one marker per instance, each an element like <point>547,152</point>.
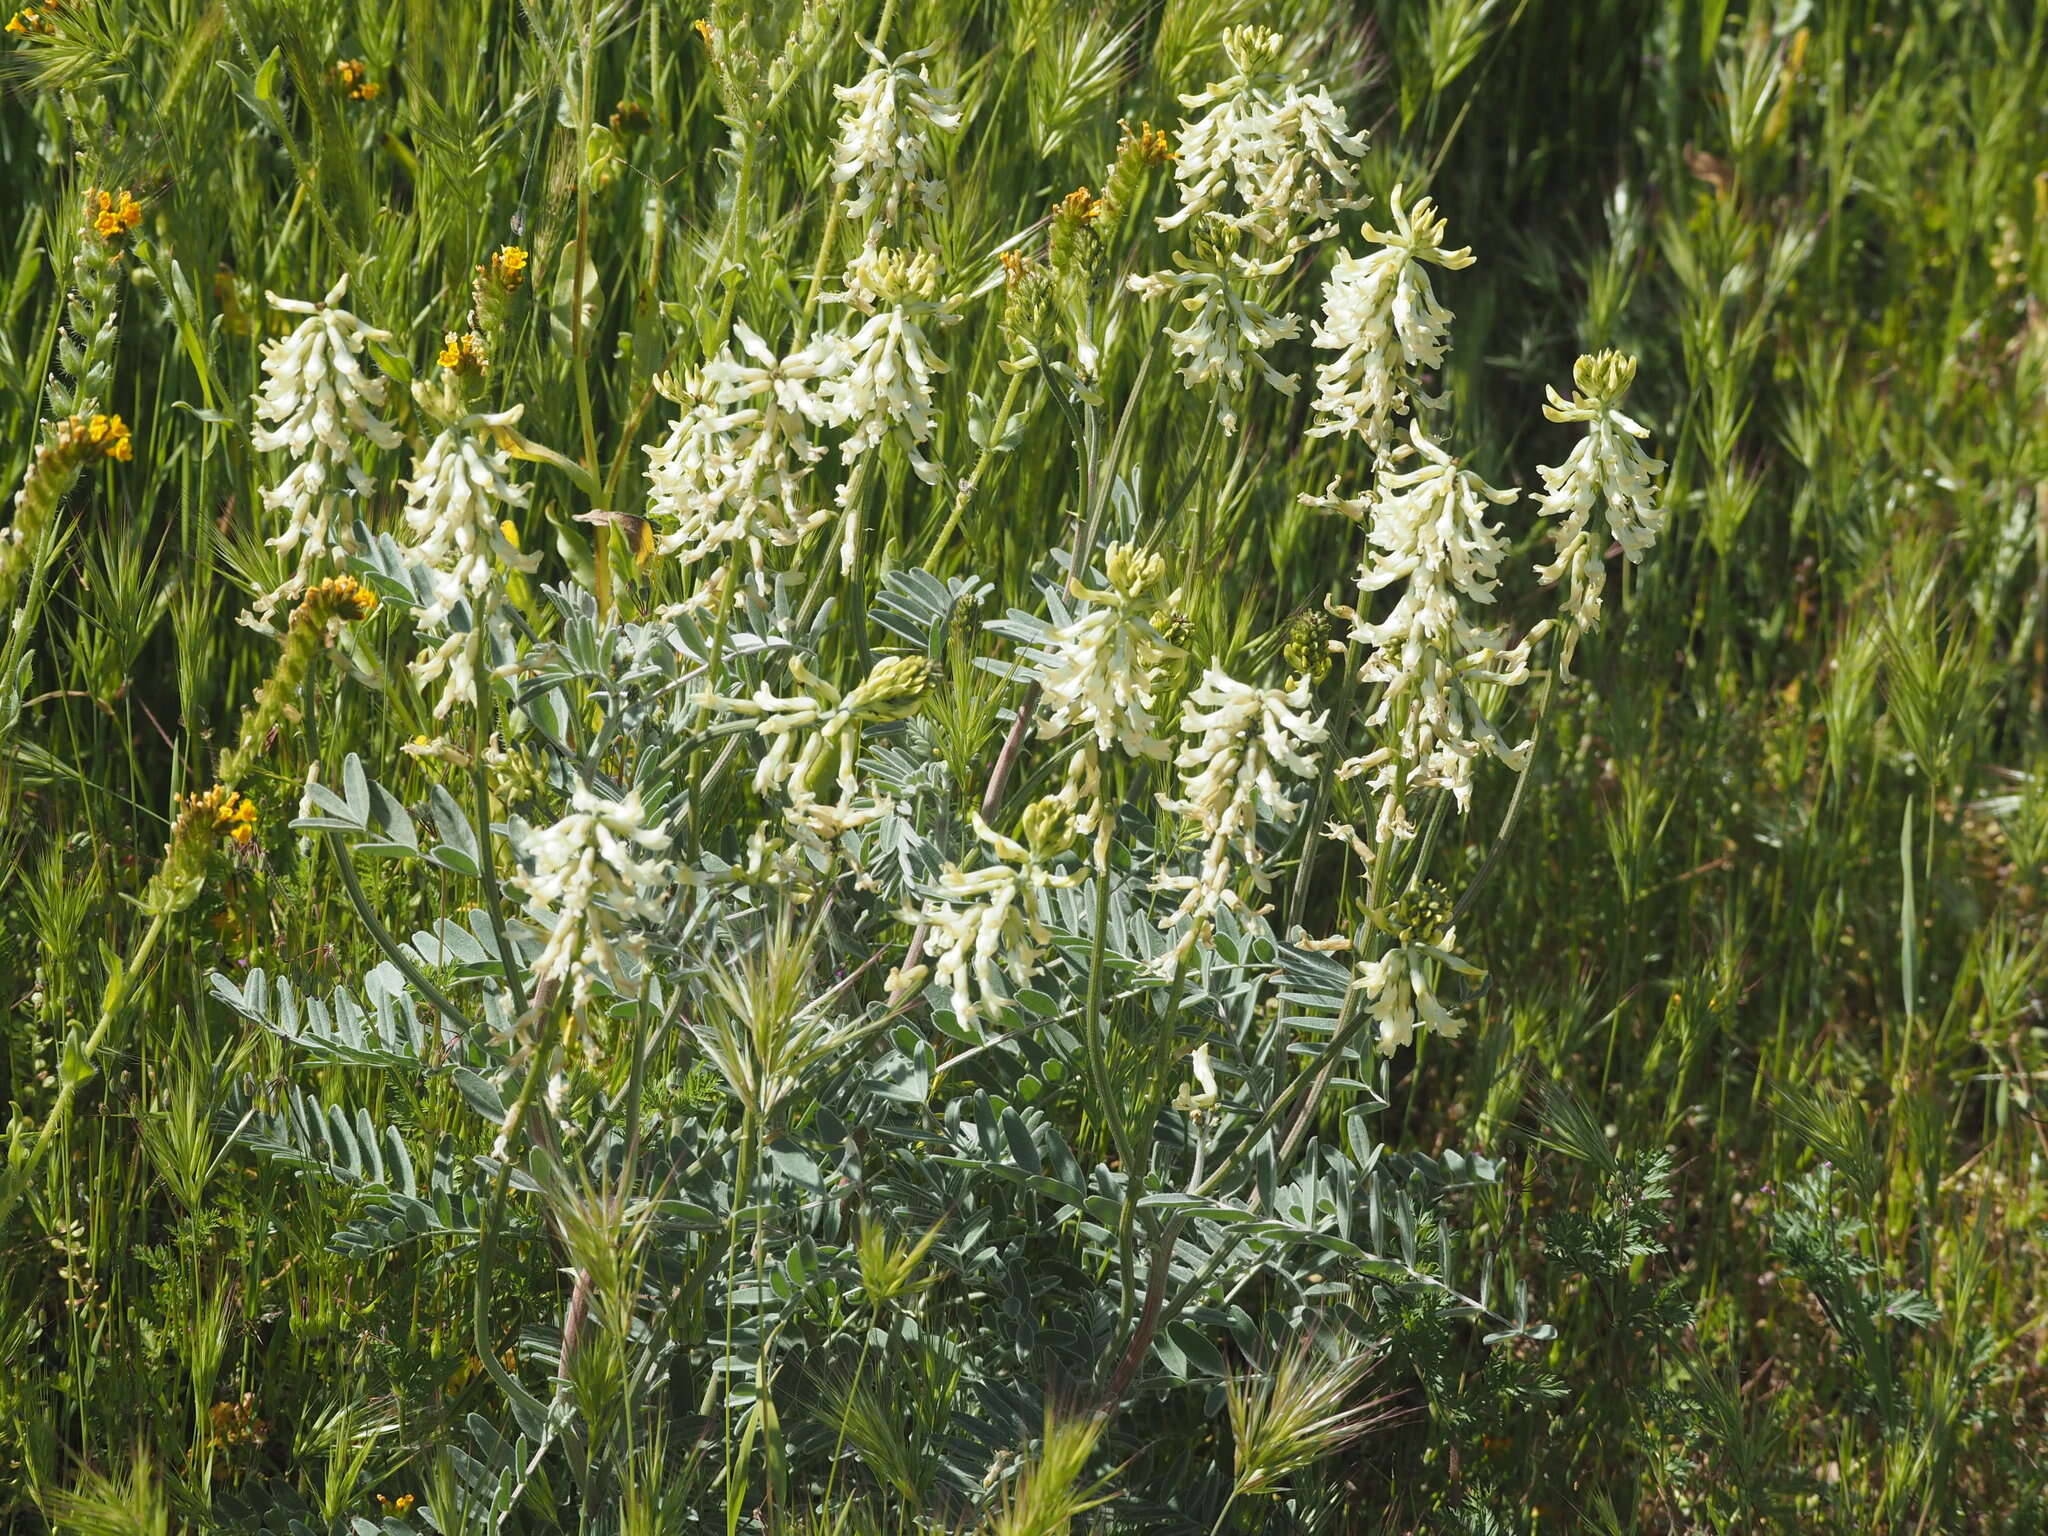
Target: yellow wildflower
<point>508,264</point>
<point>1149,145</point>
<point>110,437</point>
<point>221,812</point>
<point>30,22</point>
<point>353,76</point>
<point>463,352</point>
<point>1080,206</point>
<point>338,597</point>
<point>117,213</point>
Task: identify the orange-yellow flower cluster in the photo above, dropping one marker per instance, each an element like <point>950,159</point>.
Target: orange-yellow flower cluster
<point>463,352</point>
<point>113,213</point>
<point>1149,145</point>
<point>507,266</point>
<point>219,811</point>
<point>353,76</point>
<point>31,21</point>
<point>338,597</point>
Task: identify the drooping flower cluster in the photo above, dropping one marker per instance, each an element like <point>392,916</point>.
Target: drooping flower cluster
<point>1228,331</point>
<point>317,401</point>
<point>1245,738</point>
<point>1101,672</point>
<point>1429,526</point>
<point>814,738</point>
<point>884,385</point>
<point>590,875</point>
<point>453,516</point>
<point>1270,156</point>
<point>1401,984</point>
<point>883,153</point>
<point>735,466</point>
<point>985,933</point>
<point>1381,315</point>
<point>453,509</point>
<point>1607,465</point>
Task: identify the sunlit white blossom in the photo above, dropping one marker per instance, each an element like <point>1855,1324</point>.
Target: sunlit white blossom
<point>883,152</point>
<point>884,385</point>
<point>738,462</point>
<point>1381,315</point>
<point>591,874</point>
<point>1245,739</point>
<point>1269,155</point>
<point>315,402</point>
<point>814,738</point>
<point>454,509</point>
<point>1429,529</point>
<point>1607,466</point>
<point>985,934</point>
<point>1228,332</point>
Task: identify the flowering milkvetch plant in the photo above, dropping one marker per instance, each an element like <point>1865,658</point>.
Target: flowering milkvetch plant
<point>752,876</point>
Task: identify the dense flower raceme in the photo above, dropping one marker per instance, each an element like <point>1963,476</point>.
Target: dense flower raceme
<point>1228,332</point>
<point>883,153</point>
<point>589,876</point>
<point>814,738</point>
<point>1607,465</point>
<point>737,463</point>
<point>452,509</point>
<point>1381,316</point>
<point>1100,673</point>
<point>984,930</point>
<point>1245,738</point>
<point>454,522</point>
<point>1270,156</point>
<point>316,403</point>
<point>1429,527</point>
<point>885,384</point>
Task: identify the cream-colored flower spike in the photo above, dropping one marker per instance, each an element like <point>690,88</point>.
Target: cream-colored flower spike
<point>1381,316</point>
<point>1245,738</point>
<point>884,385</point>
<point>453,509</point>
<point>1267,155</point>
<point>883,153</point>
<point>590,874</point>
<point>738,461</point>
<point>316,401</point>
<point>1609,466</point>
<point>985,934</point>
<point>1429,654</point>
<point>814,737</point>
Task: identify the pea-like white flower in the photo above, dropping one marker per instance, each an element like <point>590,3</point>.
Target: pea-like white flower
<point>1246,738</point>
<point>1228,332</point>
<point>1100,671</point>
<point>814,737</point>
<point>317,400</point>
<point>883,152</point>
<point>1401,993</point>
<point>1270,156</point>
<point>1381,316</point>
<point>884,383</point>
<point>1430,529</point>
<point>454,509</point>
<point>1607,466</point>
<point>984,931</point>
<point>738,461</point>
<point>590,875</point>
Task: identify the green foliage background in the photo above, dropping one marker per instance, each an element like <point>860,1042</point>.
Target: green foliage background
<point>1763,1059</point>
